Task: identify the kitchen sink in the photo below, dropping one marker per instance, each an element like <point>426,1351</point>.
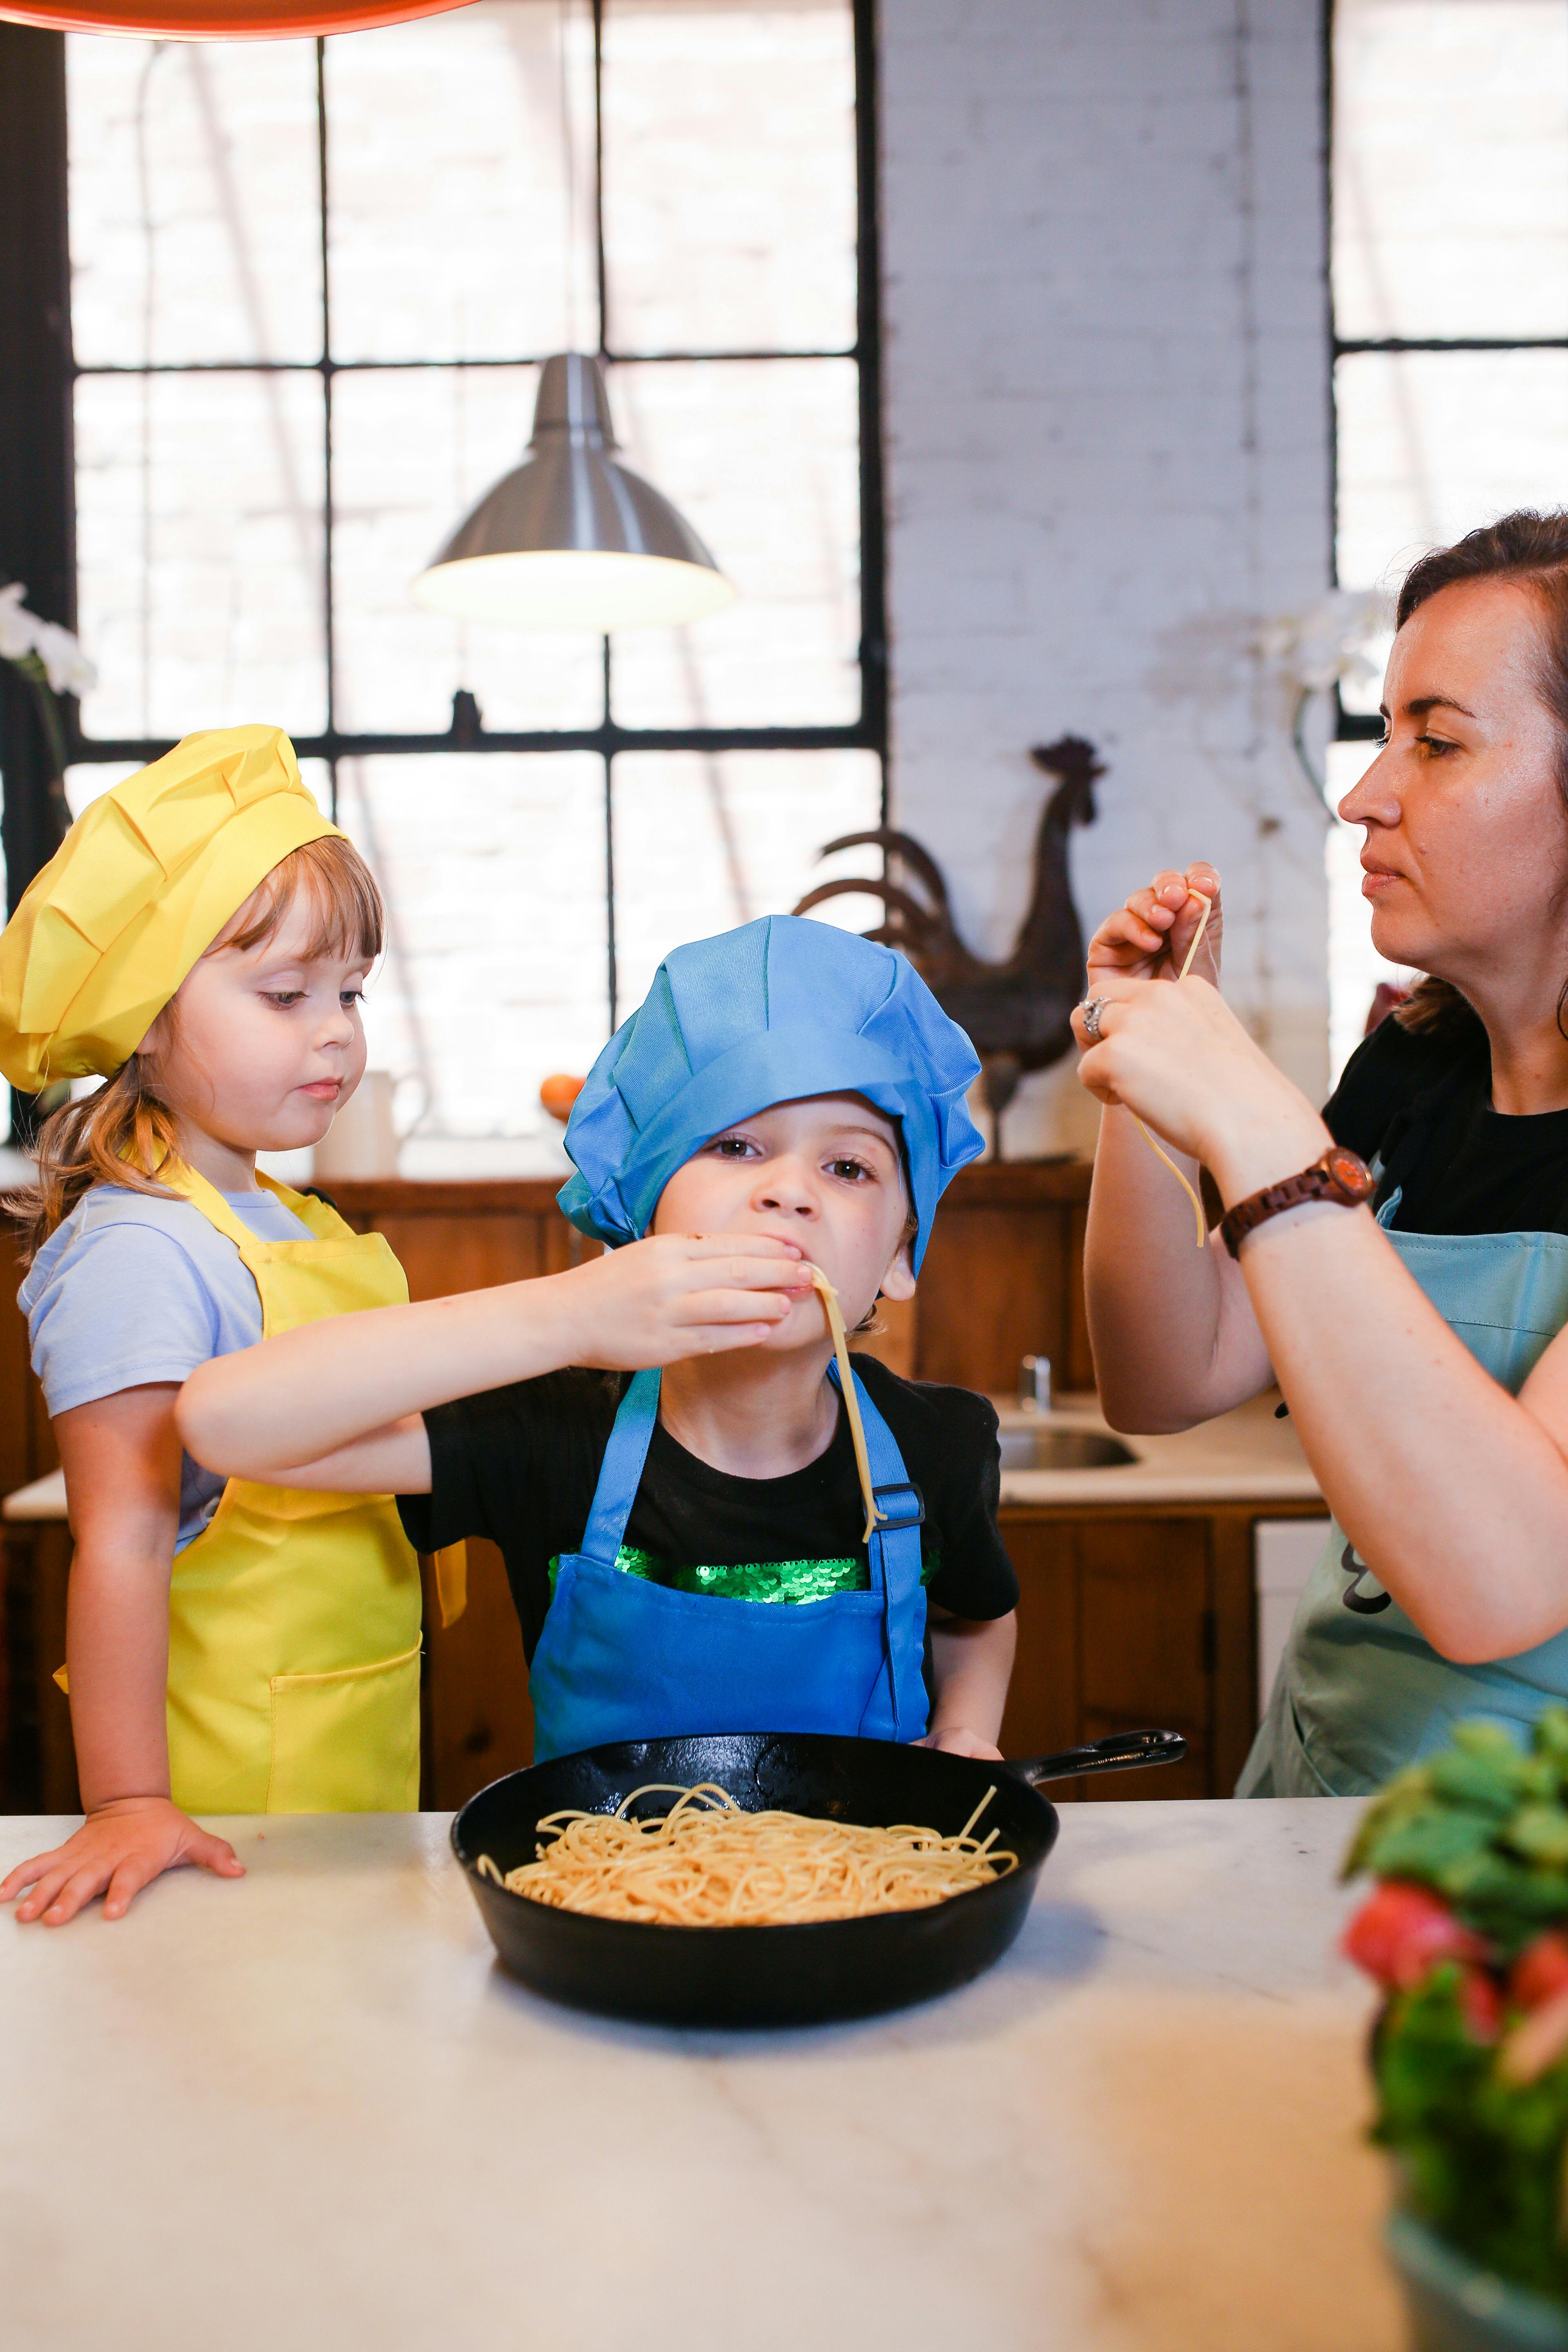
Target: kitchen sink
<point>1063,1449</point>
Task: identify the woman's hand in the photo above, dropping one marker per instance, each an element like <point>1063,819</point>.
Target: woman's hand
<point>678,1295</point>
<point>1148,938</point>
<point>1181,1061</point>
<point>121,1847</point>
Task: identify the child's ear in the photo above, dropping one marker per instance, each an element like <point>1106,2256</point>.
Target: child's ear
<point>899,1282</point>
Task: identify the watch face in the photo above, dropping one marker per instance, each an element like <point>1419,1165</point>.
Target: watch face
<point>1350,1173</point>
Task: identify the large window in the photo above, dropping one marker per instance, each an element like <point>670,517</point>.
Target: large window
<point>311,286</point>
<point>1450,292</point>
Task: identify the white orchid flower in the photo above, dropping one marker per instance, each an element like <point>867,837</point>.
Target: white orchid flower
<point>22,633</point>
<point>67,667</point>
<point>15,626</point>
<point>1327,642</point>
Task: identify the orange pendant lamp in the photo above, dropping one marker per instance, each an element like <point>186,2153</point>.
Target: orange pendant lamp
<point>221,20</point>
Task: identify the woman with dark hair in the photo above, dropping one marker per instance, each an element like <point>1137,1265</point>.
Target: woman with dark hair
<point>1399,1264</point>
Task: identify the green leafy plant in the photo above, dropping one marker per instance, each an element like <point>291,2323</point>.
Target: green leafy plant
<point>1468,1933</point>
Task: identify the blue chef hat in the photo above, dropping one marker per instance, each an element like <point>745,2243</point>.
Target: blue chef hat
<point>777,1009</point>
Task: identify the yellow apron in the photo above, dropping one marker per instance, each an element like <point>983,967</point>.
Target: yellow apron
<point>294,1619</point>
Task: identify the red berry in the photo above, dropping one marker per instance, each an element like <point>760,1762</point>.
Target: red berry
<point>1402,1931</point>
<point>1541,1971</point>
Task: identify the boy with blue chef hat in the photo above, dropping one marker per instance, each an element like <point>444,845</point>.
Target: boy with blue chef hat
<point>659,1440</point>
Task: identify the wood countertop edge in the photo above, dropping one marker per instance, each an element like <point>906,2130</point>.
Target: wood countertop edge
<point>1248,1502</point>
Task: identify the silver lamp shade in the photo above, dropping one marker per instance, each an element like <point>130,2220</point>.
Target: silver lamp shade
<point>573,539</point>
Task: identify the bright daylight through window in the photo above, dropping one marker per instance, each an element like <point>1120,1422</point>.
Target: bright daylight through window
<point>1450,291</point>
<point>313,283</point>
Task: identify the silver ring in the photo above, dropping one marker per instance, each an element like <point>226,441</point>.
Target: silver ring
<point>1092,1006</point>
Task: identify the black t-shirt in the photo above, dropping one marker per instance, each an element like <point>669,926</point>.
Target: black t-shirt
<point>1423,1101</point>
<point>520,1465</point>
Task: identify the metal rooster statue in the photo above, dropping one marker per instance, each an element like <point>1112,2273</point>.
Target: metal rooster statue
<point>1016,1013</point>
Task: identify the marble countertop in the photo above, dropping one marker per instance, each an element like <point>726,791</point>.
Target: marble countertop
<point>1243,1457</point>
<point>43,1500</point>
<point>307,2108</point>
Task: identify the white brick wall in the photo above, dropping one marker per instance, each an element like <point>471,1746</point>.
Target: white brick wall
<point>1108,436</point>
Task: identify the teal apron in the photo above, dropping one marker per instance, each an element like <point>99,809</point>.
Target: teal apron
<point>623,1659</point>
<point>1360,1693</point>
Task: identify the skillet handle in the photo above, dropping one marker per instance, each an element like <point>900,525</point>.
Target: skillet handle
<point>1118,1754</point>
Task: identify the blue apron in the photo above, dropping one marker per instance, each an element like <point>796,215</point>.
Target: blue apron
<point>1360,1693</point>
<point>623,1659</point>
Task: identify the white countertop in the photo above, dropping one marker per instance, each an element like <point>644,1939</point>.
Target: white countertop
<point>306,2109</point>
<point>1243,1457</point>
<point>43,1500</point>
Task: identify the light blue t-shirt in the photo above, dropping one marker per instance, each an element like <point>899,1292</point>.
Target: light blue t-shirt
<point>130,1289</point>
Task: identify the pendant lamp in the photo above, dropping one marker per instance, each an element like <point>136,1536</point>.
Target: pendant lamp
<point>572,538</point>
<point>221,20</point>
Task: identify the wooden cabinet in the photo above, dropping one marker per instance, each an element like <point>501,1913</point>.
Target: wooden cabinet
<point>27,1452</point>
<point>27,1436</point>
<point>1131,1621</point>
<point>477,1719</point>
<point>1003,1278</point>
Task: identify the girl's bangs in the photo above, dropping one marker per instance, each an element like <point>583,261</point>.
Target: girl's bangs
<point>346,917</point>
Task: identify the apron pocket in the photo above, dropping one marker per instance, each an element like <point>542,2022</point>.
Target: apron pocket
<point>347,1742</point>
<point>1299,1772</point>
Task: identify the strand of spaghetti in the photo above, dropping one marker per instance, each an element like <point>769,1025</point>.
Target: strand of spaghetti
<point>1158,1149</point>
<point>846,1384</point>
<point>968,1829</point>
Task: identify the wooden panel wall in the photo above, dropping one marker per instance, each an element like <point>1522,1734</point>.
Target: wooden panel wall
<point>1003,1278</point>
<point>452,1237</point>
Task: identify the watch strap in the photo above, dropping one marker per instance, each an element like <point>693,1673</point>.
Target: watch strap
<point>1340,1176</point>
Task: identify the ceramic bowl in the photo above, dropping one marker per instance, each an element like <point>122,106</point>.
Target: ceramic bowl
<point>1456,2306</point>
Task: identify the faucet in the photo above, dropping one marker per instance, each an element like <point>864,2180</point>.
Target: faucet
<point>1035,1384</point>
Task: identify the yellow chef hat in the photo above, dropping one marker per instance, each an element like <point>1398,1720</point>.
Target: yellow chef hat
<point>137,892</point>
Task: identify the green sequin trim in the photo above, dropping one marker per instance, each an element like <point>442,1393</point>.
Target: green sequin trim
<point>768,1579</point>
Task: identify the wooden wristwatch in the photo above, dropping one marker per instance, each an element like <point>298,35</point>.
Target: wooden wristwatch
<point>1340,1175</point>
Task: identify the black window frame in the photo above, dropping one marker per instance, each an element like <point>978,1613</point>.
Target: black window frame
<point>1365,725</point>
<point>38,373</point>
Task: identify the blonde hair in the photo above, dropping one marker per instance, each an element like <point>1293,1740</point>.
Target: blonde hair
<point>125,1131</point>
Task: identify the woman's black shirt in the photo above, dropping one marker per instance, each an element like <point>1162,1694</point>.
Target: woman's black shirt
<point>1424,1102</point>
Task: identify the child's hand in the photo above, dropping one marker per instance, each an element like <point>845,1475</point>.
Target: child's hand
<point>678,1295</point>
<point>123,1846</point>
<point>1148,938</point>
<point>954,1740</point>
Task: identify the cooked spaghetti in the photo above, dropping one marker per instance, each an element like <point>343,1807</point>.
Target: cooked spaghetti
<point>707,1863</point>
<point>847,1385</point>
<point>1158,1149</point>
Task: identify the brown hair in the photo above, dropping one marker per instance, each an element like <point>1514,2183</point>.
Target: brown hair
<point>1532,549</point>
<point>870,1323</point>
<point>125,1131</point>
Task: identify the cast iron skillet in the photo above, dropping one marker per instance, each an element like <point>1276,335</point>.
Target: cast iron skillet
<point>775,1975</point>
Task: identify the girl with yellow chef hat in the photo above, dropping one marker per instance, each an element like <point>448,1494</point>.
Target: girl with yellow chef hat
<point>200,941</point>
